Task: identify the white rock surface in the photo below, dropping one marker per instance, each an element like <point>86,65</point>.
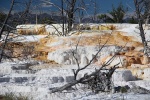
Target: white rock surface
<point>138,73</point>
<point>147,74</point>
<point>61,56</point>
<point>122,75</point>
<point>37,85</point>
<point>84,59</point>
<point>5,68</point>
<point>54,28</point>
<point>28,38</point>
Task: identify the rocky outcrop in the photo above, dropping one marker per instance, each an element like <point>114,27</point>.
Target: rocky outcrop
<point>127,58</point>
<point>83,54</point>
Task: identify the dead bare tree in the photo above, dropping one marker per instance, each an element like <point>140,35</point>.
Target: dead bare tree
<point>68,10</point>
<point>2,29</point>
<point>81,12</point>
<point>96,10</point>
<point>147,11</point>
<point>97,76</point>
<point>63,20</point>
<point>79,68</point>
<point>139,6</point>
<point>6,19</point>
<point>97,80</point>
<point>7,29</point>
<point>23,16</point>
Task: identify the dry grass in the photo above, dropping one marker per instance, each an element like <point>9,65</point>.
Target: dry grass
<point>36,30</point>
<point>107,27</point>
<point>11,96</point>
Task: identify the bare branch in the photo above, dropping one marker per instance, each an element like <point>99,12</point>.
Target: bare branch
<point>5,22</point>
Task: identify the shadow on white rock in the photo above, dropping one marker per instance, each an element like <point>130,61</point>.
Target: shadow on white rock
<point>83,54</point>
<point>123,75</point>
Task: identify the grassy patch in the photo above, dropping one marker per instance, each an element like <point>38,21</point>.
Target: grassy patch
<point>12,96</point>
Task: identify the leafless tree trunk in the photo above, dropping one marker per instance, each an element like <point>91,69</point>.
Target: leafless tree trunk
<point>140,21</point>
<point>94,78</point>
<point>24,14</point>
<point>96,8</point>
<point>68,9</point>
<point>2,29</point>
<point>4,42</point>
<point>6,19</point>
<point>70,13</point>
<point>147,11</point>
<point>147,20</point>
<point>84,79</point>
<point>63,20</point>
